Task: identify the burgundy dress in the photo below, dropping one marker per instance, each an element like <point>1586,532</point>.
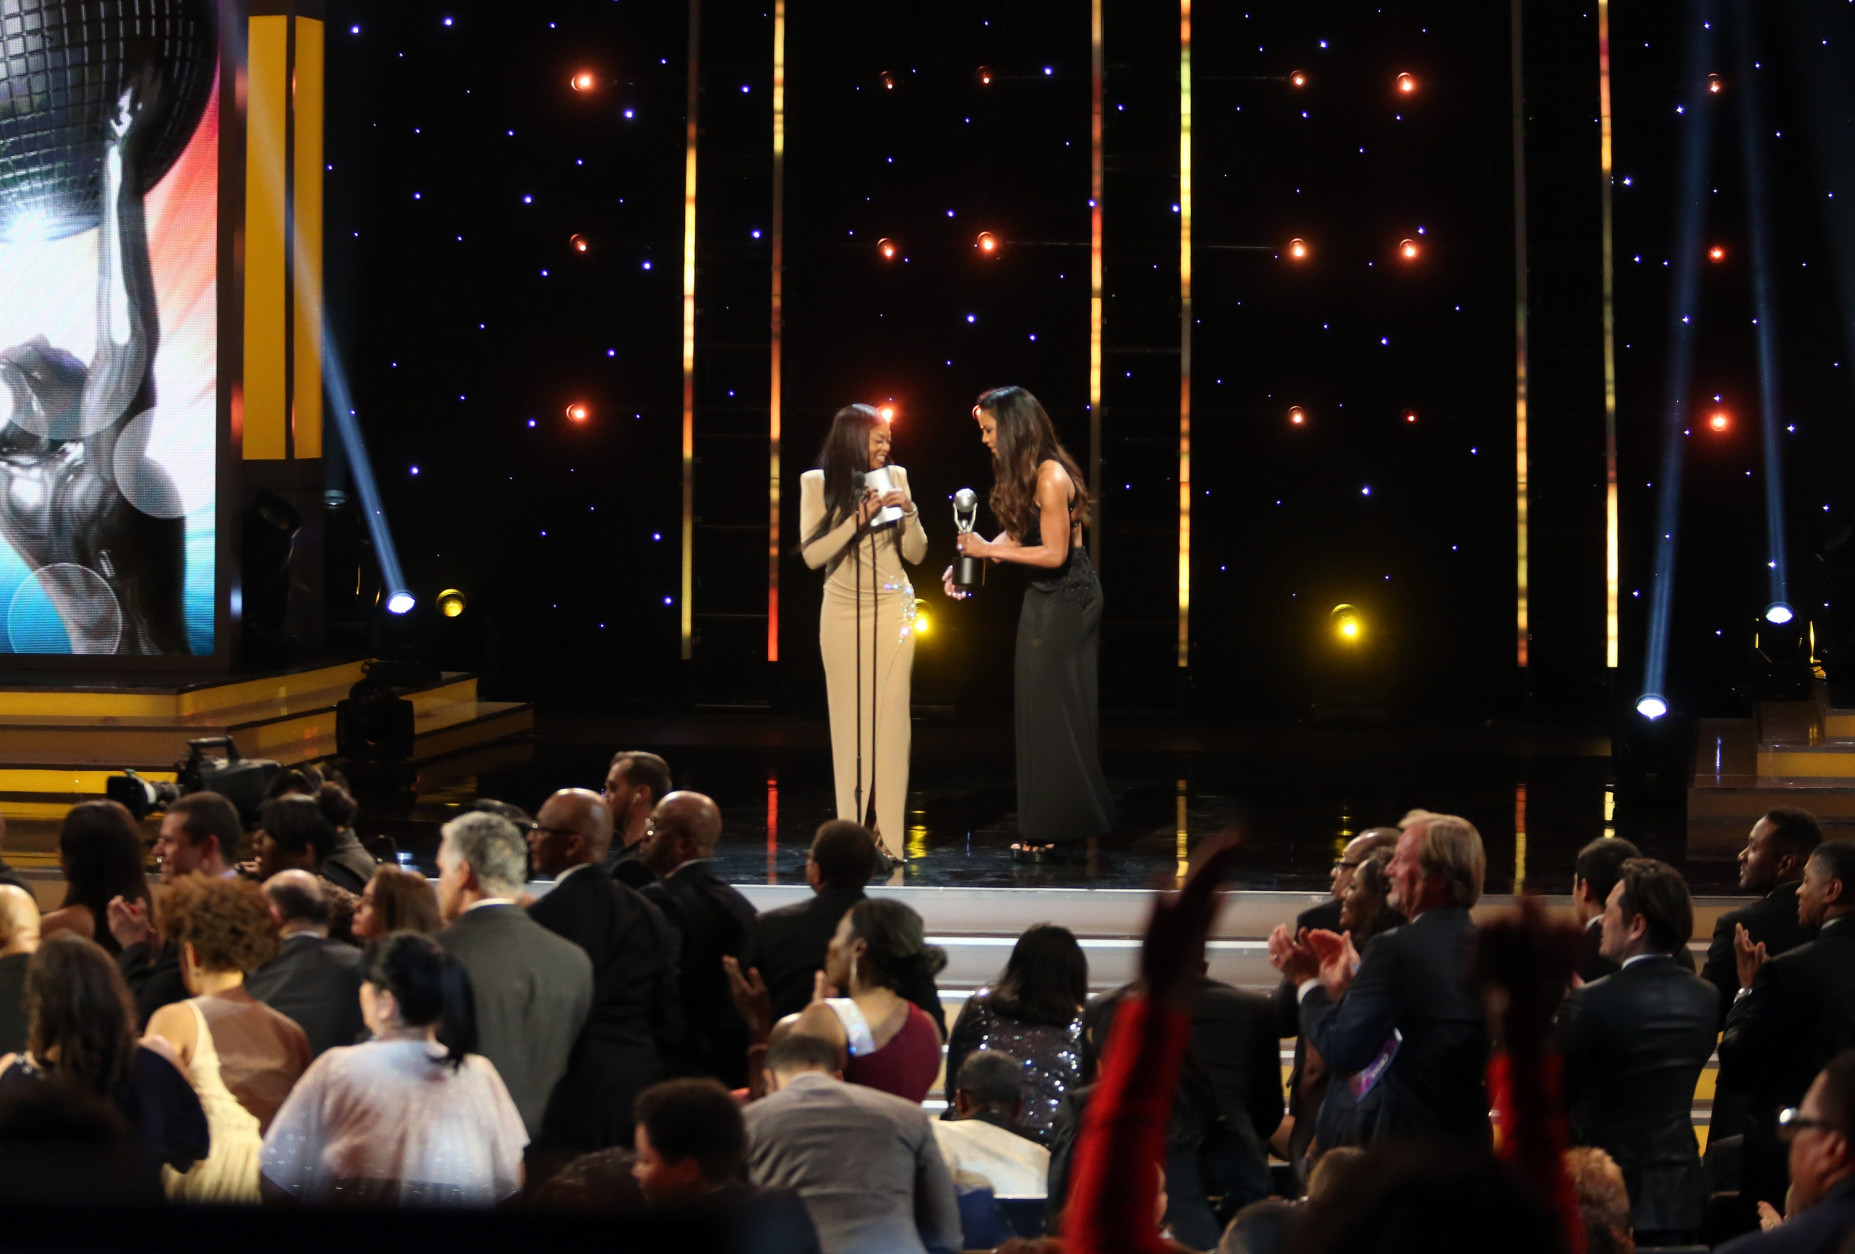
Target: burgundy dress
<point>907,1065</point>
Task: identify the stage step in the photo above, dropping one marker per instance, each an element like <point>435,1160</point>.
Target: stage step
<point>1790,753</point>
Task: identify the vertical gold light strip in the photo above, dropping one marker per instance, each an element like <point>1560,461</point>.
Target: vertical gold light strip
<point>1181,838</point>
<point>1520,345</point>
<point>1185,331</point>
<point>306,202</point>
<point>267,310</point>
<point>1613,575</point>
<point>776,334</point>
<point>1520,838</point>
<point>1095,190</point>
<point>689,332</point>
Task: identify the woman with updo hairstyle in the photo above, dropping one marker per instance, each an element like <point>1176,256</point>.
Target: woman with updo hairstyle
<point>413,1117</point>
<point>1033,1012</point>
<point>1040,499</point>
<point>241,1055</point>
<point>101,853</point>
<point>867,616</point>
<point>396,900</point>
<point>879,949</point>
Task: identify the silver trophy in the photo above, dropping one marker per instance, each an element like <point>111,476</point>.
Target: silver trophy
<point>881,482</point>
<point>968,573</point>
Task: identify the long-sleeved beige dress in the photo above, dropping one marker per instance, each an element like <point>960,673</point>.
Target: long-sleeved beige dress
<point>887,642</point>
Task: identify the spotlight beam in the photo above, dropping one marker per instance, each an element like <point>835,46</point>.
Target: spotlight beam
<point>1690,216</point>
<point>1752,138</point>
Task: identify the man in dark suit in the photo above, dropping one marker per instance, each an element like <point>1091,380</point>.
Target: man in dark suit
<point>788,944</point>
<point>635,996</point>
<point>313,980</point>
<point>634,784</point>
<point>1227,1106</point>
<point>713,921</point>
<point>1634,1045</point>
<point>1771,864</point>
<point>1408,1026</point>
<point>1796,1013</point>
<point>1821,1135</point>
<point>533,989</point>
<point>1593,876</point>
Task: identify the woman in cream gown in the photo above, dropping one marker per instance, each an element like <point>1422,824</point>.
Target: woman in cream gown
<point>875,626</point>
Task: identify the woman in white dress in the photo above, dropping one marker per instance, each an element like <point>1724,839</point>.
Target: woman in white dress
<point>868,616</point>
<point>411,1118</point>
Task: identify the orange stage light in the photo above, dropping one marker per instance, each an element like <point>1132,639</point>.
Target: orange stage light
<point>1298,249</point>
<point>985,76</point>
<point>1714,84</point>
<point>1408,249</point>
<point>1297,79</point>
<point>888,81</point>
<point>1410,415</point>
<point>579,243</point>
<point>583,81</point>
<point>887,248</point>
<point>987,243</point>
<point>1296,415</point>
<point>578,412</point>
<point>1716,253</point>
<point>1718,420</point>
<point>886,412</point>
<point>1407,84</point>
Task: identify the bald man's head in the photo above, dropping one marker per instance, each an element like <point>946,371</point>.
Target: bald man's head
<point>19,921</point>
<point>572,828</point>
<point>298,903</point>
<point>684,826</point>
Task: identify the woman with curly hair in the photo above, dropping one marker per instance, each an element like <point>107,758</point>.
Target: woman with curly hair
<point>880,948</point>
<point>100,851</point>
<point>1038,496</point>
<point>242,1056</point>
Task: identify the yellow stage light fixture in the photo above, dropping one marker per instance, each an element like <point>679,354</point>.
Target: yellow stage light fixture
<point>1348,625</point>
<point>1297,249</point>
<point>1297,416</point>
<point>450,603</point>
<point>923,624</point>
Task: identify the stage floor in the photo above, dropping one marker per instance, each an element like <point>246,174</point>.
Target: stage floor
<point>1294,791</point>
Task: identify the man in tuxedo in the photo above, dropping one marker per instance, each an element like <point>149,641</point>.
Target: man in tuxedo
<point>1794,1014</point>
<point>635,997</point>
<point>713,921</point>
<point>1634,1045</point>
<point>1771,865</point>
<point>634,784</point>
<point>980,1132</point>
<point>1593,876</point>
<point>788,944</point>
<point>1821,1156</point>
<point>533,989</point>
<point>1407,1027</point>
<point>313,980</point>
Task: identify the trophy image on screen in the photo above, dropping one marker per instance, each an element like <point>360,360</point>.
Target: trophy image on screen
<point>968,573</point>
<point>98,99</point>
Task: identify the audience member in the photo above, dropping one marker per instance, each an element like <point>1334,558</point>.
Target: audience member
<point>1772,865</point>
<point>396,900</point>
<point>634,784</point>
<point>1408,1020</point>
<point>8,875</point>
<point>1334,1176</point>
<point>349,866</point>
<point>199,836</point>
<point>63,1151</point>
<point>1603,1200</point>
<point>19,939</point>
<point>787,945</point>
<point>1225,1108</point>
<point>692,1157</point>
<point>100,853</point>
<point>1796,1012</point>
<point>1436,1197</point>
<point>1270,1226</point>
<point>312,980</point>
<point>985,1136</point>
<point>1033,1012</point>
<point>602,1182</point>
<point>292,834</point>
<point>412,1118</point>
<point>242,1056</point>
<point>1593,876</point>
<point>533,989</point>
<point>82,1032</point>
<point>1820,1132</point>
<point>1634,1045</point>
<point>634,1007</point>
<point>713,921</point>
<point>891,1045</point>
<point>865,1163</point>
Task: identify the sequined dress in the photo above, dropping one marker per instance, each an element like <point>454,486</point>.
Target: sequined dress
<point>387,1123</point>
<point>1052,1056</point>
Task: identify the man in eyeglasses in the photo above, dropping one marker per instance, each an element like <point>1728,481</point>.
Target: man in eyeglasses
<point>1822,1168</point>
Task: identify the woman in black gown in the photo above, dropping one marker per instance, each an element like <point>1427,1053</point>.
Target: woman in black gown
<point>1038,496</point>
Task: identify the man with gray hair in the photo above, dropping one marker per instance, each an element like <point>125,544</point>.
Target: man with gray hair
<point>533,989</point>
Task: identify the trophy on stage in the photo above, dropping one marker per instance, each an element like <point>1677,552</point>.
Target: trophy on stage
<point>881,482</point>
<point>968,573</point>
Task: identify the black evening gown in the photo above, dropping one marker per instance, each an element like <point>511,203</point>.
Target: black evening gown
<point>1062,795</point>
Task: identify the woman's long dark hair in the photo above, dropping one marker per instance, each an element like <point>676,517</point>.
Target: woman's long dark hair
<point>430,987</point>
<point>101,848</point>
<point>1026,439</point>
<point>80,1018</point>
<point>1046,979</point>
<point>844,458</point>
<point>898,954</point>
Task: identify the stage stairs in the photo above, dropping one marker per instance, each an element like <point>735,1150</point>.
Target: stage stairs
<point>1789,753</point>
<point>59,744</point>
